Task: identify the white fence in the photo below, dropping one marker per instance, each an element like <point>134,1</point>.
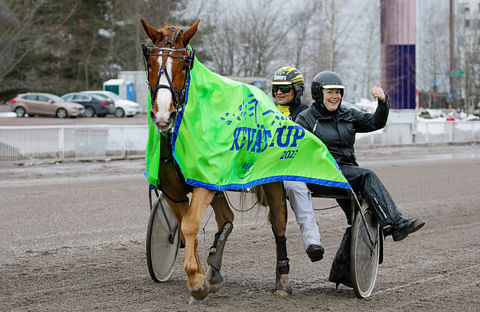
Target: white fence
<point>425,132</point>
<point>108,141</point>
<point>72,142</point>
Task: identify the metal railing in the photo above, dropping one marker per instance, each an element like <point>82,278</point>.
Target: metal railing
<point>425,132</point>
<point>72,142</point>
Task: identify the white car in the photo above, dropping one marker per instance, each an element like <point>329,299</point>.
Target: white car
<point>122,107</point>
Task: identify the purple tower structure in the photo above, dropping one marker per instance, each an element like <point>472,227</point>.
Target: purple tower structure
<point>397,20</point>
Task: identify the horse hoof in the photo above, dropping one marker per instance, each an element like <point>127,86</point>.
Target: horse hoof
<point>282,293</point>
<point>194,301</point>
<point>282,286</point>
<point>202,292</point>
<point>216,287</point>
<point>215,279</point>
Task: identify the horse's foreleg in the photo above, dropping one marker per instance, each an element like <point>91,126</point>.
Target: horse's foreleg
<point>278,219</point>
<point>224,217</point>
<point>196,282</point>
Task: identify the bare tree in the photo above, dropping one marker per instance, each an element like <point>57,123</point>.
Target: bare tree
<point>24,35</point>
<point>339,37</point>
<point>221,42</point>
<point>262,37</point>
<point>468,56</point>
<point>125,33</point>
<point>254,38</point>
<point>244,36</point>
<point>17,24</point>
<point>370,72</point>
<point>340,22</point>
<point>303,29</point>
<point>13,47</point>
<point>432,49</point>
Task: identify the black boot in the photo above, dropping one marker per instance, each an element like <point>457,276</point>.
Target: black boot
<point>402,230</point>
<point>315,252</point>
<point>340,271</point>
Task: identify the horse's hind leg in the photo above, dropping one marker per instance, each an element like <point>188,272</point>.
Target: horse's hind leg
<point>224,218</point>
<point>278,219</point>
<point>222,210</point>
<point>196,283</point>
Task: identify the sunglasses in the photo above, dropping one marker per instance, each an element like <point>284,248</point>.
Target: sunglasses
<point>283,89</point>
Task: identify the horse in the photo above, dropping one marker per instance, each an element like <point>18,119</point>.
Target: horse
<point>168,62</point>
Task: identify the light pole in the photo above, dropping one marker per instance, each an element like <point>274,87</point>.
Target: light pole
<point>452,45</point>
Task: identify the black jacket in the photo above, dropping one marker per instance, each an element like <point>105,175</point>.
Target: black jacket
<point>295,107</point>
<point>337,129</point>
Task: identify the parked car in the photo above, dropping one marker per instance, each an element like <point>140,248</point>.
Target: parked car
<point>44,104</point>
<point>123,107</point>
<point>94,104</point>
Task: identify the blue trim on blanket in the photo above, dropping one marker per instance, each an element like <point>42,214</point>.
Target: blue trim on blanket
<point>279,178</point>
<point>178,120</point>
<point>150,186</point>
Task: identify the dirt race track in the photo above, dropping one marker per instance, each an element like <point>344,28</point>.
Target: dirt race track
<point>72,238</point>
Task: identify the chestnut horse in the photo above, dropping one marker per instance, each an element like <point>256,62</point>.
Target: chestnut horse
<point>168,62</point>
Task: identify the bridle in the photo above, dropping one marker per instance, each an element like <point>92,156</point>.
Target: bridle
<point>168,48</point>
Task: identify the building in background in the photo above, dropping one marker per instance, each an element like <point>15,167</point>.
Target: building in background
<point>121,87</point>
<point>139,80</point>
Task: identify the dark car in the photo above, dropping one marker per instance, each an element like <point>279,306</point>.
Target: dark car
<point>94,105</point>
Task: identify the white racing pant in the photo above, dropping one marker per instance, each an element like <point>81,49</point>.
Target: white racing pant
<point>301,201</point>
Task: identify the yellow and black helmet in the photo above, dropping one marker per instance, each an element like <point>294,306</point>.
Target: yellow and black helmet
<point>289,76</point>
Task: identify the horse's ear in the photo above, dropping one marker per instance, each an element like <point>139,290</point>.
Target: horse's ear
<point>151,32</point>
<point>189,33</point>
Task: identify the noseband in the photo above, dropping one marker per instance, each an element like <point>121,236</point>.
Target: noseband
<point>167,47</point>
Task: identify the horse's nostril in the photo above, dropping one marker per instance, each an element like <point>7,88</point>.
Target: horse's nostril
<point>173,115</point>
<point>152,116</point>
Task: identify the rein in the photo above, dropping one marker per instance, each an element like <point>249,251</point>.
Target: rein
<point>164,50</point>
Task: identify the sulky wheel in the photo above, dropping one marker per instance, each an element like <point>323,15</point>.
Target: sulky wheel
<point>163,241</point>
<point>364,252</point>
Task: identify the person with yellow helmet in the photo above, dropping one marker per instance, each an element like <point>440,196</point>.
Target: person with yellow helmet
<point>287,89</point>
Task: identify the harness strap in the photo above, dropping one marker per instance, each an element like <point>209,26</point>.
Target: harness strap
<point>178,32</point>
<point>174,91</point>
<point>188,59</point>
<point>173,31</point>
<point>173,200</point>
<point>167,158</point>
<point>169,41</point>
<point>170,86</point>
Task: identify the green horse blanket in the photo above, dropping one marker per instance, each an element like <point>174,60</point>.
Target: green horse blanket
<point>230,135</point>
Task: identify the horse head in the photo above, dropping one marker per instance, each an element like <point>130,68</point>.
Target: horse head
<point>167,62</point>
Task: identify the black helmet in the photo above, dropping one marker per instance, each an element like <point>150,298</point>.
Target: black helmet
<point>325,80</point>
<point>289,76</point>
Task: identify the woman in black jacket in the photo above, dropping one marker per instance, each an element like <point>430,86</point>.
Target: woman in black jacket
<point>336,126</point>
